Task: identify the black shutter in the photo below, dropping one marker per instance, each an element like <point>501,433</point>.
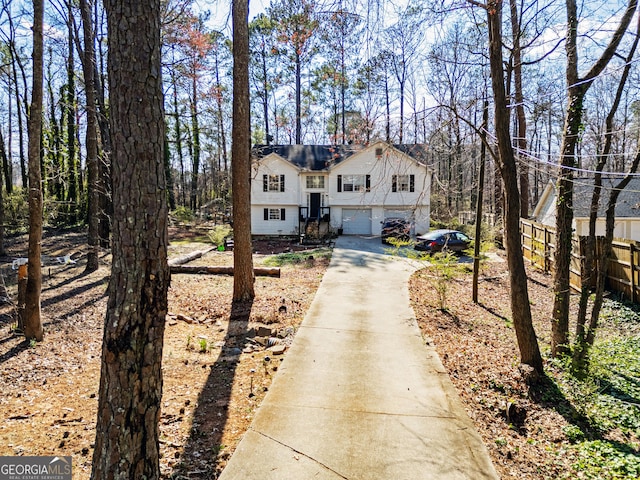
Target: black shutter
<point>394,183</point>
<point>368,183</point>
<point>266,214</point>
<point>412,183</point>
<point>265,183</point>
<point>282,183</point>
<point>282,210</point>
<point>339,183</point>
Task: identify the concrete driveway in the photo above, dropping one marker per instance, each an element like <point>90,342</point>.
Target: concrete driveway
<point>360,395</point>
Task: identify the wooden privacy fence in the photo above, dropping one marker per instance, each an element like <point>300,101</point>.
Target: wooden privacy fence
<point>539,243</point>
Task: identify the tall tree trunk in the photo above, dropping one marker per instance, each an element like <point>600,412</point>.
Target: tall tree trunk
<point>298,99</point>
<point>33,322</point>
<point>243,280</point>
<point>23,162</point>
<point>577,89</point>
<point>265,92</point>
<point>343,88</point>
<point>168,172</point>
<point>126,442</point>
<point>93,194</point>
<point>104,157</point>
<point>7,166</point>
<point>3,155</point>
<point>479,201</point>
<point>222,131</point>
<point>70,110</point>
<point>387,102</point>
<point>178,134</point>
<point>521,118</point>
<point>520,308</point>
<point>54,164</point>
<point>195,128</point>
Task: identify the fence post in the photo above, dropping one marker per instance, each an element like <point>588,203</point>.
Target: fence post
<point>545,234</point>
<point>632,250</point>
<point>22,296</point>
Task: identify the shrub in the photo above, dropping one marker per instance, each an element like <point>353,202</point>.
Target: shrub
<point>218,233</point>
<point>183,214</point>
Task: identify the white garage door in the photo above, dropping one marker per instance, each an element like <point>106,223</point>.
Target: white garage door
<point>356,221</point>
<point>406,214</point>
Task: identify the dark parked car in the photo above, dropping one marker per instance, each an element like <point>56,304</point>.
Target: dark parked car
<point>439,240</point>
<point>395,228</point>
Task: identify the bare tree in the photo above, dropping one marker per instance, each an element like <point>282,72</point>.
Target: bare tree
<point>585,336</point>
<point>521,118</point>
<point>88,67</point>
<point>3,155</point>
<point>126,442</point>
<point>577,88</point>
<point>520,308</point>
<point>243,280</point>
<point>33,321</point>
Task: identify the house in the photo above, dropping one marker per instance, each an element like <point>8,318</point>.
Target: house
<point>627,224</point>
<point>315,190</point>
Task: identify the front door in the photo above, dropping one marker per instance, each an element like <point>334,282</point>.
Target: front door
<point>314,205</point>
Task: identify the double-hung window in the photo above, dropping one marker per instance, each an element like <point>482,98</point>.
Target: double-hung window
<point>315,181</point>
<point>272,183</point>
<point>403,183</point>
<point>354,183</point>
<point>274,214</point>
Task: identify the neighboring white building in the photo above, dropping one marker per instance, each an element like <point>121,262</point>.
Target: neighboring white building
<point>627,224</point>
<point>338,187</point>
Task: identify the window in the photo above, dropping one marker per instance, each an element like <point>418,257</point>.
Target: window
<point>273,183</point>
<point>274,214</point>
<point>315,181</point>
<point>403,183</point>
<point>354,183</point>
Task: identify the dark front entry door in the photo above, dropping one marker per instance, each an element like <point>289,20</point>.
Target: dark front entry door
<point>314,207</point>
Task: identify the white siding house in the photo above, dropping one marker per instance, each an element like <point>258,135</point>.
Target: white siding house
<point>350,188</point>
<point>627,224</point>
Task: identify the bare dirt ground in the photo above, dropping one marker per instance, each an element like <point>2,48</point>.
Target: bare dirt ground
<point>216,374</point>
<point>523,425</point>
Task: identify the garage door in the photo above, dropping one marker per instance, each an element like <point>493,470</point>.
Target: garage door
<point>356,221</point>
<point>406,214</point>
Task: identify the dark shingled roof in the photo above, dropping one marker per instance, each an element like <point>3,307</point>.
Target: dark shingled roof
<point>322,157</point>
<point>628,204</point>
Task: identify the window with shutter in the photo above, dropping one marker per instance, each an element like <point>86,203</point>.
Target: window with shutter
<point>402,183</point>
<point>274,213</point>
<point>353,183</point>
<point>273,183</point>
